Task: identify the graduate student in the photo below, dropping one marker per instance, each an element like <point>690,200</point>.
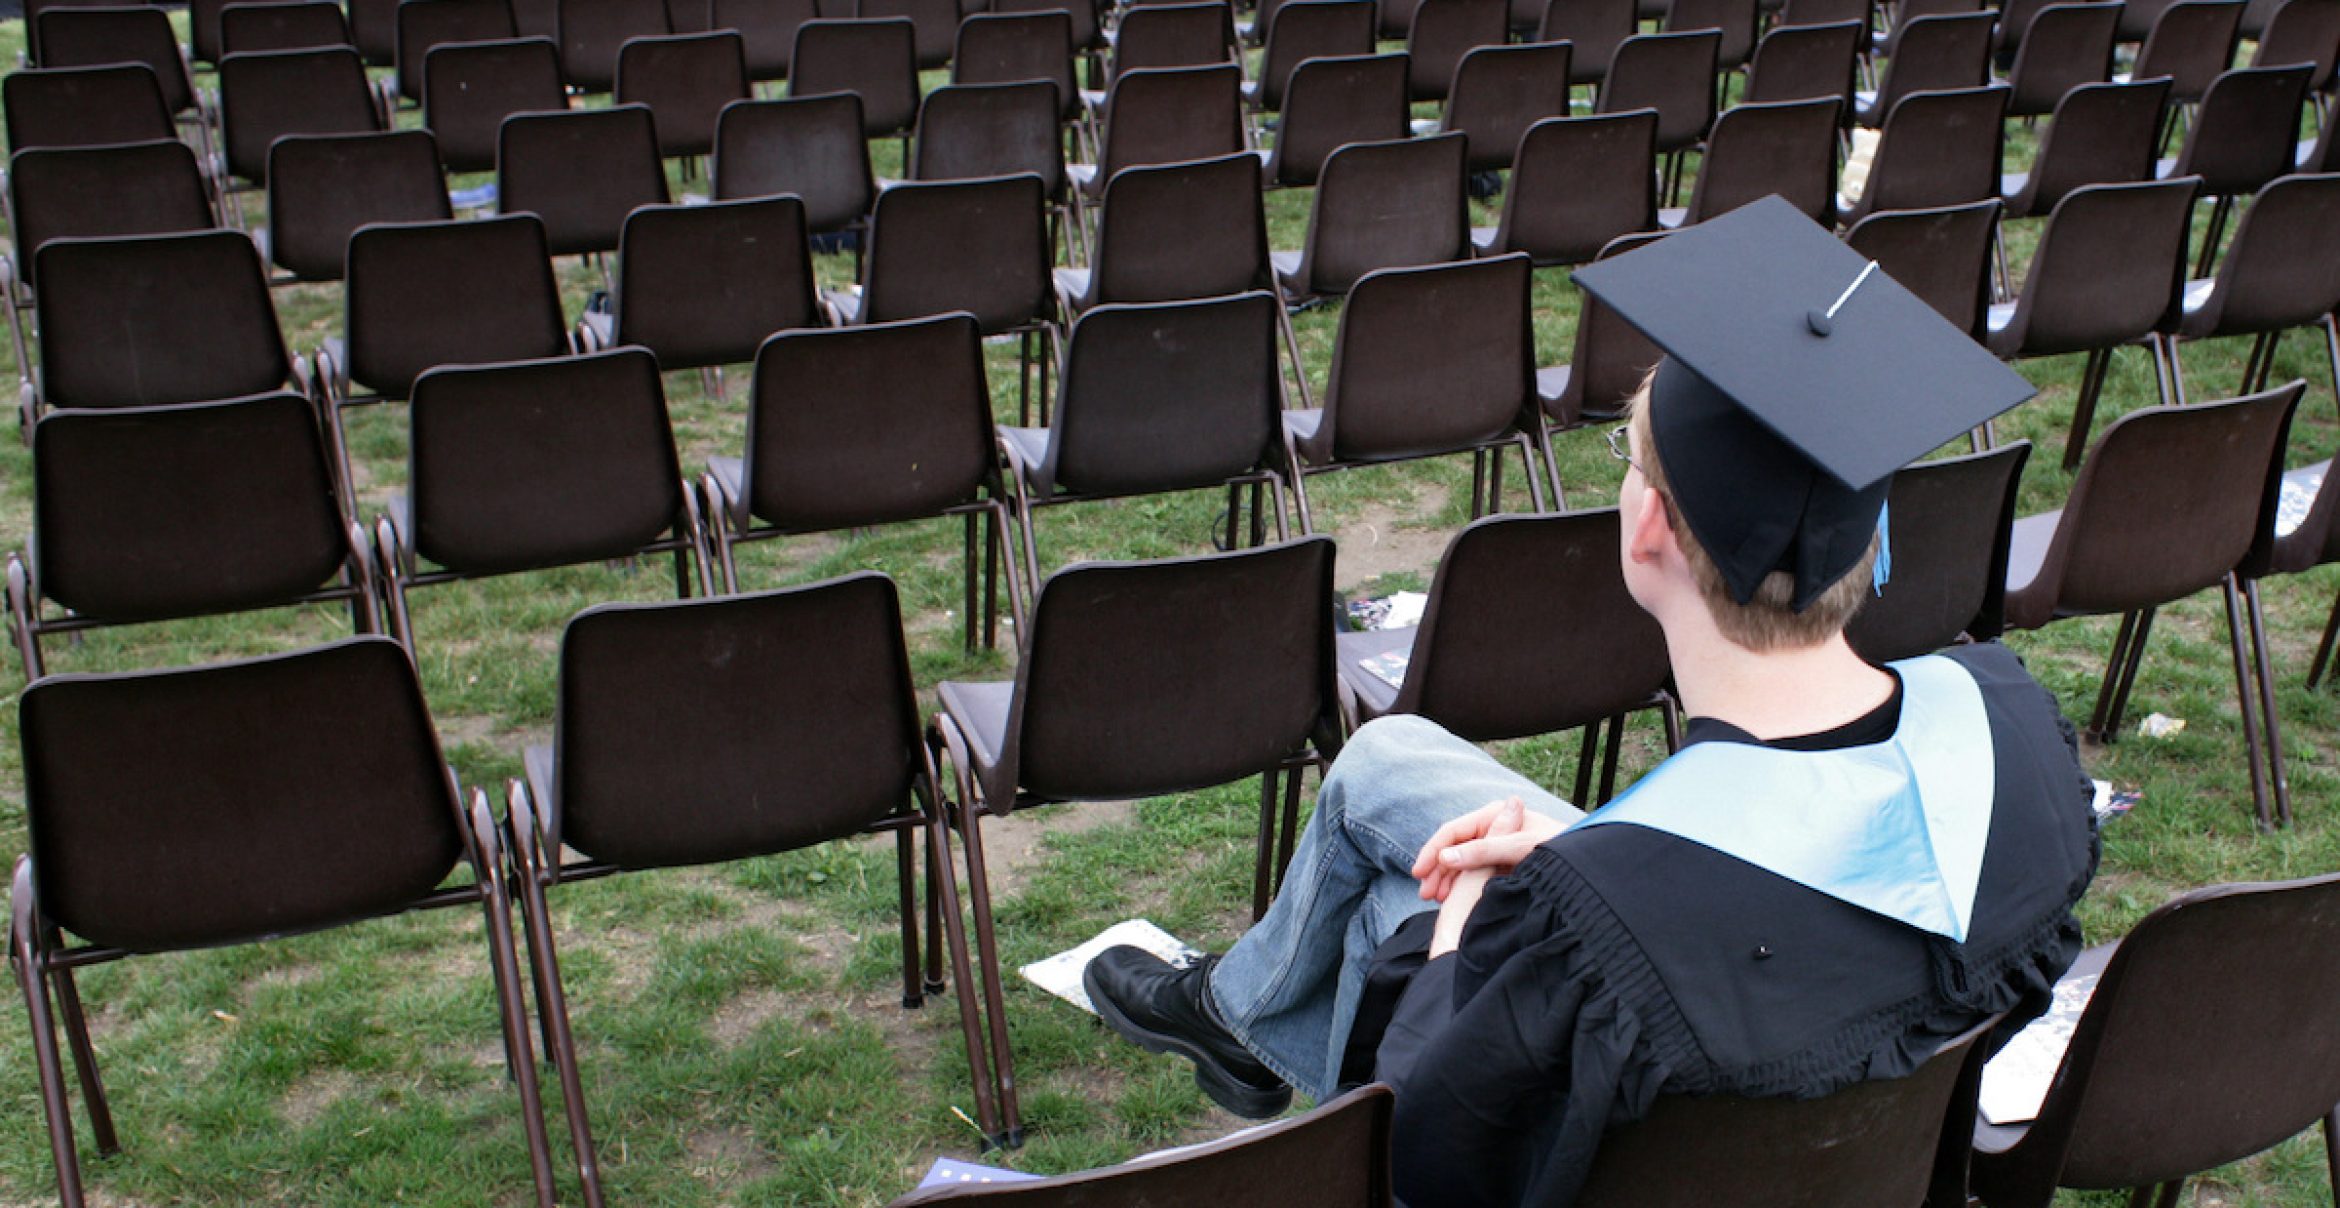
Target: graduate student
<point>1843,867</point>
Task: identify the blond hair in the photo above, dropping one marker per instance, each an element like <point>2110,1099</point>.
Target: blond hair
<point>1768,620</point>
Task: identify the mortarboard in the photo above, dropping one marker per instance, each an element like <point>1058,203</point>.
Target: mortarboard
<point>1797,379</point>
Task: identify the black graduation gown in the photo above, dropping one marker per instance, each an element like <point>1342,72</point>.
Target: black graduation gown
<point>1618,963</point>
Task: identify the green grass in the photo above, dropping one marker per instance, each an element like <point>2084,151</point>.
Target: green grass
<point>739,1026</point>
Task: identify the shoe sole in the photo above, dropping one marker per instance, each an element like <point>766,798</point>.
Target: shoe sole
<point>1249,1102</point>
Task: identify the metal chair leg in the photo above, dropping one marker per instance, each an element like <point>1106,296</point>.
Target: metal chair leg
<point>2136,659</point>
<point>2250,709</point>
<point>2277,778</point>
<point>2324,648</point>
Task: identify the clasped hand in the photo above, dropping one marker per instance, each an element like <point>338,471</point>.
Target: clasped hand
<point>1459,860</point>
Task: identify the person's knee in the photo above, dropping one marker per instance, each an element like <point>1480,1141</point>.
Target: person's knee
<point>1376,757</point>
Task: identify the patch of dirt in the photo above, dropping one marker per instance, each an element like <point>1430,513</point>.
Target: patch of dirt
<point>1013,845</point>
<point>726,1157</point>
<point>1382,539</point>
<point>737,1020</point>
<point>313,1094</point>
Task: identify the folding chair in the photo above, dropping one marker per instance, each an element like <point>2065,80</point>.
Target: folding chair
<point>581,172</point>
<point>811,147</point>
<point>2281,273</point>
<point>1380,205</point>
<point>686,80</point>
<point>1950,525</point>
<point>704,286</point>
<point>469,88</point>
<point>323,187</point>
<point>1577,183</point>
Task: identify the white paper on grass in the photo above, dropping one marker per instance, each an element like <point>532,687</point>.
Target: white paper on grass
<point>2016,1080</point>
<point>2299,494</point>
<point>1061,974</point>
<point>1405,610</point>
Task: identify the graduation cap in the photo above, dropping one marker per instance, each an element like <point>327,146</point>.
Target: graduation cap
<point>1798,377</point>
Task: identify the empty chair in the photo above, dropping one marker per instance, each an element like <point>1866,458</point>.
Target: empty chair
<point>1330,103</point>
<point>1013,48</point>
<point>2068,45</point>
<point>2168,503</point>
<point>2242,138</point>
<point>2302,31</point>
<point>686,80</point>
<point>1579,182</point>
<point>2101,134</point>
<point>1237,650</point>
<point>1612,359</point>
<point>2107,271</point>
<point>1336,1154</point>
<point>785,719</point>
<point>705,285</point>
<point>1950,525</point>
<point>1942,255</point>
<point>203,30</point>
<point>1734,18</point>
<point>1379,205</point>
<point>145,513</point>
<point>2141,1039</point>
<point>1593,28</point>
<point>2138,19</point>
<point>969,131</point>
<point>581,171</point>
<point>31,56</point>
<point>1673,74</point>
<point>1088,33</point>
<point>175,810</point>
<point>1929,54</point>
<point>143,319</point>
<point>469,89</point>
<point>426,24</point>
<point>1443,31</point>
<point>373,29</point>
<point>323,187</point>
<point>2282,273</point>
<point>89,37</point>
<point>1794,13</point>
<point>1799,62</point>
<point>935,25</point>
<point>876,59</point>
<point>1429,361</point>
<point>282,26</point>
<point>1936,149</point>
<point>1592,656</point>
<point>484,498</point>
<point>1171,35</point>
<point>809,146</point>
<point>2192,42</point>
<point>592,32</point>
<point>1762,148</point>
<point>875,424</point>
<point>1500,91</point>
<point>84,106</point>
<point>767,28</point>
<point>1166,115</point>
<point>1308,29</point>
<point>423,294</point>
<point>263,97</point>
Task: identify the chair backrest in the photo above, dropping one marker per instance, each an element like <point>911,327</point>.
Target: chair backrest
<point>32,23</point>
<point>1937,149</point>
<point>2108,268</point>
<point>1775,147</point>
<point>276,25</point>
<point>323,187</point>
<point>1798,62</point>
<point>1336,1155</point>
<point>592,32</point>
<point>265,96</point>
<point>487,499</point>
<point>1163,396</point>
<point>1088,33</point>
<point>1010,48</point>
<point>2139,18</point>
<point>203,30</point>
<point>1431,359</point>
<point>1177,231</point>
<point>138,33</point>
<point>2101,134</point>
<point>707,284</point>
<point>1310,29</point>
<point>373,28</point>
<point>979,246</point>
<point>2168,501</point>
<point>1332,102</point>
<point>1443,32</point>
<point>768,28</point>
<point>2068,45</point>
<point>1671,73</point>
<point>868,424</point>
<point>2281,271</point>
<point>1167,115</point>
<point>1173,35</point>
<point>423,24</point>
<point>809,146</point>
<point>469,88</point>
<point>1593,28</point>
<point>2191,42</point>
<point>1735,18</point>
<point>1529,630</point>
<point>127,775</point>
<point>84,106</point>
<point>2302,31</point>
<point>1942,255</point>
<point>1612,356</point>
<point>966,131</point>
<point>1143,678</point>
<point>934,25</point>
<point>686,80</point>
<point>119,189</point>
<point>141,513</point>
<point>1380,205</point>
<point>1937,52</point>
<point>2151,1031</point>
<point>876,59</point>
<point>1949,523</point>
<point>1826,12</point>
<point>2246,132</point>
<point>140,319</point>
<point>1500,91</point>
<point>1578,183</point>
<point>694,731</point>
<point>581,171</point>
<point>1865,1145</point>
<point>448,293</point>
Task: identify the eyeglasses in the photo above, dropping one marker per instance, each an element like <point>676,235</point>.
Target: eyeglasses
<point>1622,449</point>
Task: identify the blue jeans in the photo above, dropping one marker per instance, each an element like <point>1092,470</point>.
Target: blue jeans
<point>1289,986</point>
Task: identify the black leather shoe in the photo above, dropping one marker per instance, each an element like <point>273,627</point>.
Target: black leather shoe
<point>1169,1010</point>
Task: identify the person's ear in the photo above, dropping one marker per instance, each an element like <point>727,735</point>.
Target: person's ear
<point>1653,532</point>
